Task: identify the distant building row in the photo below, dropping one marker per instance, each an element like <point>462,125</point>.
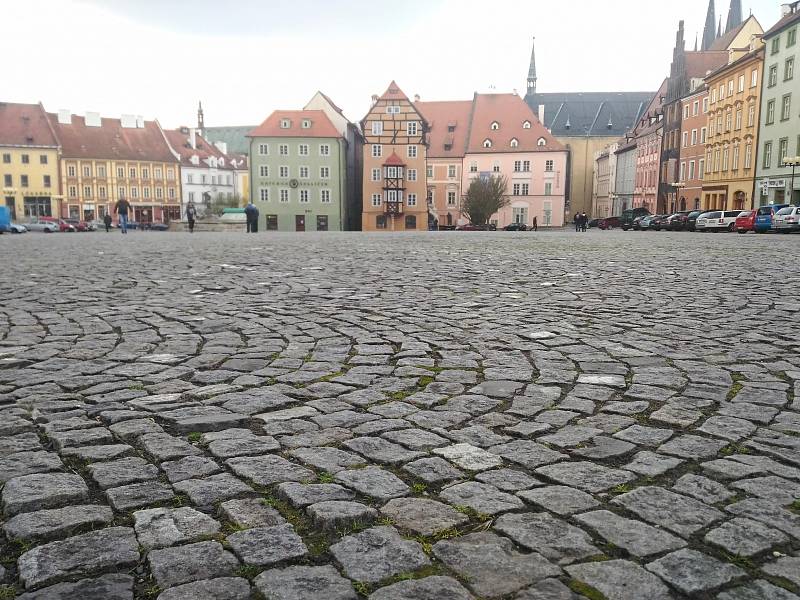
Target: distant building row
<point>723,131</point>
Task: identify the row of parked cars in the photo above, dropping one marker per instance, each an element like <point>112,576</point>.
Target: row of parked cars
<point>783,218</point>
<point>53,224</point>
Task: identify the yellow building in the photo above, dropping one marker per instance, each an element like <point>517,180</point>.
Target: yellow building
<point>29,152</point>
<point>734,100</point>
<point>105,160</point>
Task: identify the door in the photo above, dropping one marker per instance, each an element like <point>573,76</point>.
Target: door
<point>322,222</point>
<point>299,222</point>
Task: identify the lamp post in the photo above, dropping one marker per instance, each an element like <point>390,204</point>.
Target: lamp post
<point>793,162</point>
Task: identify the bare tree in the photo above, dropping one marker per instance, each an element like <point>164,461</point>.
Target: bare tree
<point>484,198</point>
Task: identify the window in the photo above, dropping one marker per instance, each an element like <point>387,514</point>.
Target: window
<point>703,135</point>
<point>412,174</point>
<point>87,191</point>
<point>159,193</point>
<point>101,192</point>
<point>158,173</point>
<point>517,166</point>
<point>412,199</point>
<point>411,221</point>
<point>46,181</point>
<point>132,173</point>
<point>541,142</point>
<point>303,149</point>
<point>283,150</point>
<point>713,95</point>
<point>685,139</point>
<point>526,166</point>
<point>23,181</point>
<point>135,192</point>
<point>526,124</point>
<point>701,168</point>
<point>263,194</point>
<point>514,142</point>
<point>691,169</point>
<point>548,189</point>
<point>377,128</point>
<point>728,120</point>
<point>380,220</point>
<point>767,155</point>
<point>101,170</point>
<point>376,200</point>
<point>324,172</point>
<point>725,156</point>
<point>146,192</point>
<point>694,137</point>
<point>6,158</point>
<point>695,108</point>
<point>705,105</point>
<point>776,45</point>
<point>306,124</point>
<point>751,114</point>
<point>754,78</point>
<point>524,189</point>
<point>377,150</point>
<point>686,112</point>
<point>783,150</point>
<point>391,172</point>
<point>303,172</point>
<point>451,170</point>
<point>411,128</point>
<point>741,83</point>
<point>263,149</point>
<point>487,143</point>
<point>730,88</point>
<point>324,149</point>
<point>548,166</point>
<point>473,167</point>
<point>429,171</point>
<point>303,196</point>
<point>516,189</point>
<point>145,173</point>
<point>170,174</point>
<point>738,118</point>
<point>735,165</point>
<point>722,91</point>
<point>496,167</point>
<point>73,191</point>
<point>71,171</point>
<point>770,118</point>
<point>451,198</point>
<point>285,123</point>
<point>791,37</point>
<point>43,159</point>
<point>263,171</point>
<point>376,174</point>
<point>788,69</point>
<point>26,159</point>
<point>773,76</point>
<point>283,172</point>
<point>495,126</point>
<point>284,195</point>
<point>412,151</point>
<point>748,156</point>
<point>325,196</point>
<point>393,110</point>
<point>786,107</point>
<point>203,178</point>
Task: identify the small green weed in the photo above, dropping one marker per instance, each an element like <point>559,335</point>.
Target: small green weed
<point>585,590</point>
<point>194,437</point>
<point>361,588</point>
<point>325,478</point>
<point>248,571</point>
<point>419,488</point>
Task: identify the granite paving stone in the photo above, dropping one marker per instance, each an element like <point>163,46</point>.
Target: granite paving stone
<point>640,539</point>
<point>680,514</point>
<point>304,583</point>
<point>428,588</point>
<point>162,527</point>
<point>42,490</point>
<point>377,553</point>
<point>553,538</point>
<point>265,546</point>
<point>220,588</point>
<point>106,587</point>
<point>693,572</point>
<point>192,562</point>
<point>620,580</point>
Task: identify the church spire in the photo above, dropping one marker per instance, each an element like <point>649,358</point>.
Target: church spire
<point>734,15</point>
<point>695,42</point>
<point>532,70</point>
<point>200,123</point>
<point>719,27</point>
<point>708,30</point>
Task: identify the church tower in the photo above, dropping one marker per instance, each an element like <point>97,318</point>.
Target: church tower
<point>734,15</point>
<point>708,31</point>
<point>200,123</point>
<point>532,71</point>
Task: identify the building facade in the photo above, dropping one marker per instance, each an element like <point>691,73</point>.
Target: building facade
<point>105,160</point>
<point>694,133</point>
<point>29,162</point>
<point>779,122</point>
<point>625,176</point>
<point>298,172</point>
<point>395,151</point>
<point>733,117</point>
<point>605,179</point>
<point>648,162</point>
<point>505,138</point>
<point>207,175</point>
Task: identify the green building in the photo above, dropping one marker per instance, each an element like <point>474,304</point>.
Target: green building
<point>298,172</point>
<point>779,127</point>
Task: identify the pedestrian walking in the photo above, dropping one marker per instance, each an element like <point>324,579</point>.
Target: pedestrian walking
<point>107,222</point>
<point>252,217</point>
<point>122,208</point>
<point>535,224</point>
<point>584,222</point>
<point>576,220</point>
<point>191,215</point>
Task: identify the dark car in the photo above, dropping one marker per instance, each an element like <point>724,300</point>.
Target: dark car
<point>677,221</point>
<point>691,219</point>
<point>609,223</point>
<point>516,227</point>
<point>660,222</point>
<point>594,223</point>
<point>471,227</point>
<point>636,224</point>
<point>629,217</point>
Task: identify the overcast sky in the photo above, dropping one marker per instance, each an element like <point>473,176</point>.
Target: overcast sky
<point>246,58</point>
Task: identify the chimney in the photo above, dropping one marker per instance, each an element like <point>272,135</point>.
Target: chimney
<point>139,122</point>
<point>64,117</point>
<point>92,119</point>
<point>416,97</point>
<point>128,121</point>
<point>786,9</point>
<point>374,99</point>
<point>541,113</point>
<point>193,138</point>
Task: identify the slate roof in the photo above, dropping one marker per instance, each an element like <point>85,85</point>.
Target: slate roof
<point>25,125</point>
<point>235,137</point>
<point>181,143</point>
<point>321,126</point>
<point>112,141</point>
<point>590,113</point>
<point>441,116</point>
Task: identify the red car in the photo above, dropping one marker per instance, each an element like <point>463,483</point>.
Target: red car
<point>746,221</point>
<point>610,223</point>
<point>79,225</point>
<point>60,223</point>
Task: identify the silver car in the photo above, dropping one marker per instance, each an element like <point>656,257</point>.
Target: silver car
<point>44,226</point>
<point>787,219</point>
<point>17,228</point>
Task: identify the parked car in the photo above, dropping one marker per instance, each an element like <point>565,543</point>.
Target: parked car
<point>764,216</point>
<point>593,223</point>
<point>636,224</point>
<point>610,223</point>
<point>659,222</point>
<point>677,221</point>
<point>647,222</point>
<point>787,219</point>
<point>516,227</point>
<point>629,217</point>
<point>39,224</point>
<point>5,219</point>
<point>718,220</point>
<point>159,227</point>
<point>745,221</point>
<point>471,227</point>
<point>691,220</point>
<point>17,228</point>
<point>61,224</point>
<point>79,225</point>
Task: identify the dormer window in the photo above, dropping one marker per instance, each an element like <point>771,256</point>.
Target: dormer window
<point>526,125</point>
<point>487,143</point>
<point>306,124</point>
<point>514,142</point>
<point>285,123</point>
<point>495,126</point>
<point>541,142</point>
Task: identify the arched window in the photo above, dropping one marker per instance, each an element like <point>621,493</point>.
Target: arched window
<point>487,143</point>
<point>495,125</point>
<point>514,142</point>
<point>526,125</point>
<point>541,142</point>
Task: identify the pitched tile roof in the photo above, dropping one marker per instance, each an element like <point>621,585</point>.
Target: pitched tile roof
<point>25,125</point>
<point>180,141</point>
<point>321,126</point>
<point>234,137</point>
<point>725,40</point>
<point>394,160</point>
<point>393,92</point>
<point>441,118</point>
<point>596,114</point>
<point>700,64</point>
<point>510,112</point>
<point>112,141</point>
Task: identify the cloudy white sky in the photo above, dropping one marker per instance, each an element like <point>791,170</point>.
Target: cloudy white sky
<point>245,58</point>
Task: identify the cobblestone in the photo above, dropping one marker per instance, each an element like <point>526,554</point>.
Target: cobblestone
<point>283,392</point>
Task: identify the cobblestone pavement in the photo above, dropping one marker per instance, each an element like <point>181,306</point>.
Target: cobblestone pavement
<point>541,416</point>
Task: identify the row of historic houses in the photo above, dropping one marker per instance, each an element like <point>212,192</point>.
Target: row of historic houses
<point>721,133</point>
<point>78,167</point>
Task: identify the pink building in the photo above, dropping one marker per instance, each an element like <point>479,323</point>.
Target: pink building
<point>506,138</point>
<point>648,161</point>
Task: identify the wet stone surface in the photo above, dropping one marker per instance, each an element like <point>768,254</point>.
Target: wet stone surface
<point>270,422</point>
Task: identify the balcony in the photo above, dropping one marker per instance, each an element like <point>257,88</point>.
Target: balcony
<point>393,207</point>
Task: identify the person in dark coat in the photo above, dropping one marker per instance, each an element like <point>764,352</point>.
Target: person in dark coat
<point>535,224</point>
<point>251,213</point>
<point>191,215</point>
<point>107,222</point>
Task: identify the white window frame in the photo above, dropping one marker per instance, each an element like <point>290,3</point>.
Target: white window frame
<point>377,200</point>
<point>325,196</point>
<point>377,151</point>
<point>324,149</point>
<point>411,199</point>
<point>411,151</point>
<point>303,150</point>
<point>263,171</point>
<point>376,174</point>
<point>263,149</point>
<point>304,196</point>
<point>263,194</point>
<point>411,128</point>
<point>285,198</point>
<point>324,172</point>
<point>377,128</point>
<point>412,174</point>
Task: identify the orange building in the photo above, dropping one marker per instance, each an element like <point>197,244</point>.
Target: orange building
<point>394,191</point>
